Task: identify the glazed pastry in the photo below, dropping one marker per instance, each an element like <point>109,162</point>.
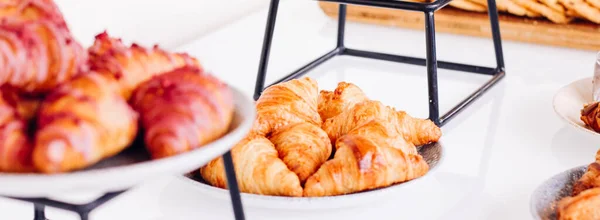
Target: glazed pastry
<point>15,145</point>
<point>584,206</point>
<point>303,147</point>
<point>258,169</point>
<point>82,122</point>
<point>343,98</point>
<point>30,10</point>
<point>590,115</point>
<point>361,163</point>
<point>26,105</point>
<point>135,64</point>
<point>287,103</point>
<point>416,131</point>
<point>380,130</point>
<point>182,110</point>
<point>38,55</point>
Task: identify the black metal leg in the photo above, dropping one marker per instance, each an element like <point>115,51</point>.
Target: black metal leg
<point>39,212</point>
<point>495,24</point>
<point>266,49</point>
<point>84,215</point>
<point>431,63</point>
<point>341,26</point>
<point>232,185</point>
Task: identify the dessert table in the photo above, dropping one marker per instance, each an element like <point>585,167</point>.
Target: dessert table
<point>497,151</point>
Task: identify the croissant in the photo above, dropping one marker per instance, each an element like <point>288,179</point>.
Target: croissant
<point>133,65</point>
<point>182,110</point>
<point>15,145</point>
<point>382,131</point>
<point>30,10</point>
<point>36,56</point>
<point>258,169</point>
<point>362,163</point>
<point>584,206</point>
<point>344,97</point>
<point>590,115</point>
<point>303,147</point>
<point>26,105</point>
<point>590,179</point>
<point>81,122</point>
<point>416,131</point>
<point>287,103</point>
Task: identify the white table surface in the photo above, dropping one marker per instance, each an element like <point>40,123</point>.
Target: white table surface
<point>498,150</point>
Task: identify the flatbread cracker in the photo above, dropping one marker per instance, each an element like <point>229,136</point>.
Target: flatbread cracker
<point>467,5</point>
<point>552,15</point>
<point>500,4</point>
<point>516,9</point>
<point>572,13</point>
<point>583,8</point>
<point>595,3</point>
<point>554,5</point>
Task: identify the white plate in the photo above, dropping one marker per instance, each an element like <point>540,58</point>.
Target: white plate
<point>132,166</point>
<point>432,153</point>
<point>545,198</point>
<point>569,101</point>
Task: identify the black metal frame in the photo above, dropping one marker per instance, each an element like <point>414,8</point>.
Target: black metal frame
<point>430,62</point>
<point>83,210</point>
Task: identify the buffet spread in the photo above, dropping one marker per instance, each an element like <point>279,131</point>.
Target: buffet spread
<point>65,108</point>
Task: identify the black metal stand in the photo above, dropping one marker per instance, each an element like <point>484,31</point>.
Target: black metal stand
<point>431,62</point>
<point>83,210</point>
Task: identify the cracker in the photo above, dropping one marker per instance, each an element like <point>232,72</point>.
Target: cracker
<point>467,5</point>
<point>500,4</point>
<point>554,5</point>
<point>554,16</point>
<point>572,13</point>
<point>595,3</point>
<point>583,8</point>
<point>516,9</point>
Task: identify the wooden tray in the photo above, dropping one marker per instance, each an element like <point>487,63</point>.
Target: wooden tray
<point>579,34</point>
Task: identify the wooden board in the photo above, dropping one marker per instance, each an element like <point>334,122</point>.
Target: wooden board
<point>579,34</point>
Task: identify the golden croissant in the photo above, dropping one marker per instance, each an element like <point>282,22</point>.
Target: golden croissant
<point>379,130</point>
<point>135,64</point>
<point>584,206</point>
<point>37,51</point>
<point>343,98</point>
<point>182,110</point>
<point>416,131</point>
<point>82,122</point>
<point>303,147</point>
<point>287,103</point>
<point>361,163</point>
<point>15,145</point>
<point>590,179</point>
<point>258,169</point>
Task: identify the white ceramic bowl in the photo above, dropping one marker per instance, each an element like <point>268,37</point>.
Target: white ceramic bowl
<point>545,198</point>
<point>569,101</point>
<point>432,153</point>
<point>132,166</point>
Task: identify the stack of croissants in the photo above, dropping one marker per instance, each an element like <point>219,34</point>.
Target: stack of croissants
<point>63,108</point>
<point>313,144</point>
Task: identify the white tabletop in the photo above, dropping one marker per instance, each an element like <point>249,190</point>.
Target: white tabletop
<point>498,150</point>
